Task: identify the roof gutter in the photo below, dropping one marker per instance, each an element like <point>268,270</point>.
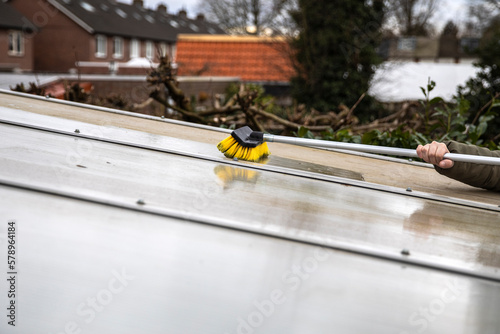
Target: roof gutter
<point>72,16</point>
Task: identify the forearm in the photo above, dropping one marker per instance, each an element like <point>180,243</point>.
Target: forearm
<point>477,175</point>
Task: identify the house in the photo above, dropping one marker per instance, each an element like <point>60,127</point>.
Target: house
<point>98,37</point>
<point>16,46</point>
<point>250,59</point>
<point>443,49</point>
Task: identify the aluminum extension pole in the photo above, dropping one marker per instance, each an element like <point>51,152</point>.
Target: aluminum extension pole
<point>403,152</point>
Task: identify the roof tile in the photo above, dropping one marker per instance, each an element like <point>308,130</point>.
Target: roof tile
<point>250,58</point>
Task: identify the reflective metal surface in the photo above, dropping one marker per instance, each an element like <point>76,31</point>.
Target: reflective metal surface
<point>117,238</point>
<point>326,213</point>
<point>98,269</point>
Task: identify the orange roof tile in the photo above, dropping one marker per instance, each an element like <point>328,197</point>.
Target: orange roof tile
<point>250,58</point>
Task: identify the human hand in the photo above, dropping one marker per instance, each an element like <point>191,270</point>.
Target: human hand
<point>434,153</point>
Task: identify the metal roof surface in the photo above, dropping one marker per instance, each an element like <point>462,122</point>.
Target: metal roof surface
<point>124,231</point>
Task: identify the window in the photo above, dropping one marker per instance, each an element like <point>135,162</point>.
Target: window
<point>88,7</point>
<point>101,46</point>
<point>117,47</point>
<point>16,43</point>
<point>149,49</point>
<point>173,52</point>
<point>407,43</point>
<point>163,49</point>
<point>469,44</point>
<point>134,48</point>
<point>121,13</point>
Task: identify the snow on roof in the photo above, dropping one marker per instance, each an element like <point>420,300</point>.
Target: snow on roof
<point>400,81</point>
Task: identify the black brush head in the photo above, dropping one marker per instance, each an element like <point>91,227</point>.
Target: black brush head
<point>248,138</point>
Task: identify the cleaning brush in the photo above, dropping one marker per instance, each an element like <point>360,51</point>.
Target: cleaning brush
<point>241,144</point>
<point>249,145</point>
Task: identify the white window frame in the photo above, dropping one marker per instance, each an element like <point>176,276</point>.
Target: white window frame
<point>163,49</point>
<point>150,49</point>
<point>16,43</point>
<point>173,52</point>
<point>101,46</point>
<point>117,47</point>
<point>135,48</point>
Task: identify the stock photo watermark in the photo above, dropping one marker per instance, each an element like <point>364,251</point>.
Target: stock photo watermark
<point>88,309</point>
<point>292,279</point>
<point>39,19</point>
<point>12,272</point>
<point>421,319</point>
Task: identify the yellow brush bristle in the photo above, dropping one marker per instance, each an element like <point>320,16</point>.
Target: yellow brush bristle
<point>232,149</point>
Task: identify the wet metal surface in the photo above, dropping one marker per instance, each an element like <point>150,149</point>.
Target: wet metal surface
<point>312,167</point>
<point>296,207</point>
<point>99,269</point>
<point>119,239</point>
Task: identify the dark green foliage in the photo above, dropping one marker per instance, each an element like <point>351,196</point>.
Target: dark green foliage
<point>336,52</point>
<point>441,121</point>
<point>481,90</point>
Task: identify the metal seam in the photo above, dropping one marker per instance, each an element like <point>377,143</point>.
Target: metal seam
<point>275,169</point>
<point>221,223</point>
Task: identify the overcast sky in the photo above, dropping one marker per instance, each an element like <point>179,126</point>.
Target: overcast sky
<point>450,9</point>
<point>173,6</point>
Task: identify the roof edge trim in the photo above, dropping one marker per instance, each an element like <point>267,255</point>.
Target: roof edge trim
<point>72,16</point>
<point>229,38</point>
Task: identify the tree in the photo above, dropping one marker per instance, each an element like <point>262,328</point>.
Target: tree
<point>335,53</point>
<point>412,17</point>
<point>480,15</point>
<point>482,90</point>
<point>253,17</point>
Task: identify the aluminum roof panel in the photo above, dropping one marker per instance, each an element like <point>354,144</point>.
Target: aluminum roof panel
<point>214,238</point>
<point>304,208</point>
<point>147,273</point>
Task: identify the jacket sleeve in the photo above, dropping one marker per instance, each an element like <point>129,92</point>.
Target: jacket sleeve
<point>477,175</point>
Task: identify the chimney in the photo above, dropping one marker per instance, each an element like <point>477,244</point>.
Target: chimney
<point>182,13</point>
<point>200,17</point>
<point>162,8</point>
<point>139,3</point>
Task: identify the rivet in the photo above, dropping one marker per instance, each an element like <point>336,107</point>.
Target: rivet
<point>162,116</point>
<point>47,96</point>
<point>405,252</point>
<point>235,159</point>
<point>410,160</point>
<point>408,189</point>
<point>141,202</point>
<point>77,131</point>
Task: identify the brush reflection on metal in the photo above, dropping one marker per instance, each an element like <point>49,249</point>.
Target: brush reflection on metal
<point>199,244</point>
<point>228,174</point>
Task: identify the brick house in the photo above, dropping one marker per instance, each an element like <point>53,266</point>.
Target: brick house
<point>16,48</point>
<point>104,36</point>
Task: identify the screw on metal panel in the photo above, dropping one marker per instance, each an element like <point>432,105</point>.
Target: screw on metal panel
<point>405,252</point>
<point>77,131</point>
<point>408,189</point>
<point>141,202</point>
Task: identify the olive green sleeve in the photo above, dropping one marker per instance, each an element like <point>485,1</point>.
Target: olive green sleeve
<point>477,175</point>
